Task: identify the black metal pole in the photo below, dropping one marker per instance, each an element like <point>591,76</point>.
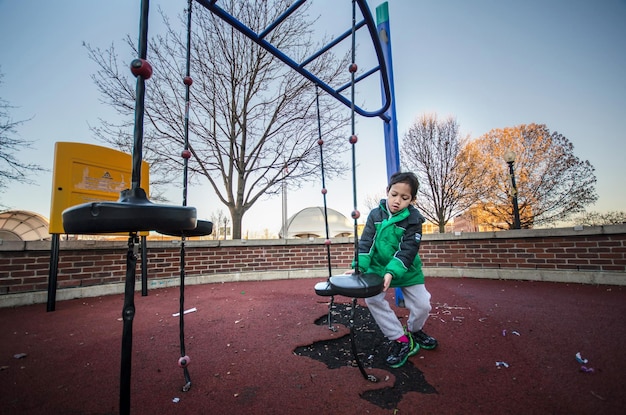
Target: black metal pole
<point>139,102</point>
<point>128,310</point>
<point>144,266</point>
<point>516,219</point>
<point>128,314</point>
<point>53,272</point>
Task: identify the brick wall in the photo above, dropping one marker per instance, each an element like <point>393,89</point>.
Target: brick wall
<point>564,253</point>
<point>24,266</point>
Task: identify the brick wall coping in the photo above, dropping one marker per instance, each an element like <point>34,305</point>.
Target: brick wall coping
<point>457,236</point>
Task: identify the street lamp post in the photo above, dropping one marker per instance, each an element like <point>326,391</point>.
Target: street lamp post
<point>509,157</point>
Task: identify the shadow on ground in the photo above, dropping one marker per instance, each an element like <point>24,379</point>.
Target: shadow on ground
<point>372,348</point>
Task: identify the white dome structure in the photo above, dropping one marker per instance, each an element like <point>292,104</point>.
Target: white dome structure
<point>21,225</point>
<point>310,223</point>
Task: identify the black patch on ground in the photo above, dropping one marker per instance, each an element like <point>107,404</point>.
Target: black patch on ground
<point>372,348</point>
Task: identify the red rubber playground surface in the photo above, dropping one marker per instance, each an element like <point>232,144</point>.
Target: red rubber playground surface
<point>505,347</point>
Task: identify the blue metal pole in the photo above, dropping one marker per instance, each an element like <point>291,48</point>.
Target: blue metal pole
<point>390,126</point>
<point>259,39</point>
<point>390,123</point>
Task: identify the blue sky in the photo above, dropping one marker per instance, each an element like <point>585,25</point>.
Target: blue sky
<point>489,63</point>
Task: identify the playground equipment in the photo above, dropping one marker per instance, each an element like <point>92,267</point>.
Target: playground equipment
<point>356,285</point>
<point>134,213</point>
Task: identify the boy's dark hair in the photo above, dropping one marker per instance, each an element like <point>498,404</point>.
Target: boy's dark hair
<point>405,177</point>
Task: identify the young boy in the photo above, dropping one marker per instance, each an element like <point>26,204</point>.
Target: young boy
<point>388,247</point>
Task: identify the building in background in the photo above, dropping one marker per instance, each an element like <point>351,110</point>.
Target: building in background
<point>310,223</point>
<point>21,225</point>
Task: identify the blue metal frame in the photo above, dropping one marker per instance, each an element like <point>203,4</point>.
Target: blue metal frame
<point>391,126</point>
<point>378,32</point>
<point>368,21</point>
<point>392,151</point>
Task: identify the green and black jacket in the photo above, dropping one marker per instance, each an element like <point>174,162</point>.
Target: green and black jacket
<point>390,244</point>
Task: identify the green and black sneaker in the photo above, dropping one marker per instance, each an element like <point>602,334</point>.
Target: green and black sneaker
<point>424,340</point>
<point>399,352</point>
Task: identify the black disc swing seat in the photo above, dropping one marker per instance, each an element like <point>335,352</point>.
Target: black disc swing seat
<point>356,285</point>
<point>132,212</point>
<point>203,228</point>
<point>324,289</point>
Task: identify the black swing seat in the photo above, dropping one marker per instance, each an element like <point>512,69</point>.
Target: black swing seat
<point>132,212</point>
<point>203,228</point>
<point>357,285</point>
<point>325,289</point>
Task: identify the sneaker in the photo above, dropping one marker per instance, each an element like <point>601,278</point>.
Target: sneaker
<point>424,340</point>
<point>399,352</point>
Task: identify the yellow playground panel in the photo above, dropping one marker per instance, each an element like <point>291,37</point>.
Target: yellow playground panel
<point>86,173</point>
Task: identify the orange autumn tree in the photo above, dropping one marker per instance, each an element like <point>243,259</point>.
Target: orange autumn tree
<point>552,183</point>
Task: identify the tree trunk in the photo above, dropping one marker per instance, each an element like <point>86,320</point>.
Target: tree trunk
<point>237,218</point>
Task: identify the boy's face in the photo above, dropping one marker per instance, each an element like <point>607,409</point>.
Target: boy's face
<point>399,197</point>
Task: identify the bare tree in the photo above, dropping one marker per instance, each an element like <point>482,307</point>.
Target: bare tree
<point>250,116</point>
<point>552,183</point>
<point>434,151</point>
<point>372,200</point>
<point>220,224</point>
<point>599,219</point>
<point>11,168</point>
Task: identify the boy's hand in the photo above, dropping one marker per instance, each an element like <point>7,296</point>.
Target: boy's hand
<point>387,281</point>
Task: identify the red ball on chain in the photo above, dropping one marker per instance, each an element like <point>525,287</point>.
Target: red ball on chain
<point>320,142</point>
<point>356,214</point>
<point>186,154</point>
<point>187,80</point>
<point>353,139</point>
<point>324,191</point>
<point>141,67</point>
<point>353,67</point>
<point>184,361</point>
<point>327,242</point>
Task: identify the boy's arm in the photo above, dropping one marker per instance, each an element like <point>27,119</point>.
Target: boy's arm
<point>365,244</point>
<point>409,247</point>
<point>410,244</point>
<point>367,236</point>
